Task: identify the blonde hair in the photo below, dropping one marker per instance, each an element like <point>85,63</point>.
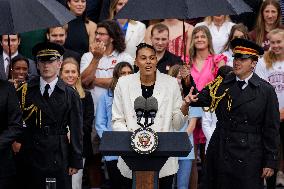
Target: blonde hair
<point>192,49</point>
<point>112,11</point>
<point>270,57</point>
<point>260,23</point>
<point>209,19</point>
<point>78,84</point>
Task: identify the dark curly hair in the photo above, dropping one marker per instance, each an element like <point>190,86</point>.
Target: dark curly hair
<point>115,32</point>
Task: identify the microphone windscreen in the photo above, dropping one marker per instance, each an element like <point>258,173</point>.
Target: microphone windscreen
<point>140,103</point>
<point>152,104</point>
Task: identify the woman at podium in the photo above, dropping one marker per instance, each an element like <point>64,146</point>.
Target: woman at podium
<point>170,114</point>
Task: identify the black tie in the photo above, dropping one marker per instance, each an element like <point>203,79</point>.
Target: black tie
<point>241,84</point>
<point>45,93</point>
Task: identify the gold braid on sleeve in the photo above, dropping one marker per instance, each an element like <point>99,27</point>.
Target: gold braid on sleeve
<point>213,87</point>
<point>32,108</point>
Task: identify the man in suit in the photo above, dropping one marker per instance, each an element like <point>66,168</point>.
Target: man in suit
<point>10,130</point>
<point>58,35</point>
<point>50,106</point>
<point>160,41</point>
<point>5,66</point>
<point>244,146</point>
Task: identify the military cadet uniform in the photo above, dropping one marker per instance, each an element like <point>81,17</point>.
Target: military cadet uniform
<point>46,151</point>
<point>246,137</point>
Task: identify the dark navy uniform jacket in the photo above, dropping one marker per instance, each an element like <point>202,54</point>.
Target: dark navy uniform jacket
<point>45,146</point>
<point>246,137</point>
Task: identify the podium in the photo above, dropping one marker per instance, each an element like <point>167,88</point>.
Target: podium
<point>145,168</point>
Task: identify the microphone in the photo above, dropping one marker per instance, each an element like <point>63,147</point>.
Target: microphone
<point>151,109</point>
<point>139,107</point>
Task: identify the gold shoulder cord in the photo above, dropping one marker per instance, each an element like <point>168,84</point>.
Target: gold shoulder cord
<point>229,103</point>
<point>32,108</point>
<point>213,87</point>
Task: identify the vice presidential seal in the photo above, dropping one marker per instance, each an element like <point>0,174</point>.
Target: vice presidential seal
<point>144,140</point>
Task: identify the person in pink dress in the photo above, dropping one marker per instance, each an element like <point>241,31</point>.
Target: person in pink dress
<point>203,64</point>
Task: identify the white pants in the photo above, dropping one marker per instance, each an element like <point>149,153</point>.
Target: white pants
<point>77,178</point>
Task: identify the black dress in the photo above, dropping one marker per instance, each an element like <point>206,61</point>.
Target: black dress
<point>88,118</point>
<point>77,36</point>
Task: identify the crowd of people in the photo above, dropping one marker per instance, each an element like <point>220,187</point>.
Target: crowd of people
<point>222,82</point>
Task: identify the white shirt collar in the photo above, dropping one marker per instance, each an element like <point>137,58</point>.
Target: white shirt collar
<point>114,53</point>
<point>246,80</point>
<point>7,56</point>
<point>51,84</point>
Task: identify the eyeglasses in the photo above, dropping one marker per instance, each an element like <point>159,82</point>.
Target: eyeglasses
<point>101,34</point>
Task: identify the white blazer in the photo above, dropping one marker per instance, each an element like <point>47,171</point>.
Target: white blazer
<point>168,117</point>
<point>134,36</point>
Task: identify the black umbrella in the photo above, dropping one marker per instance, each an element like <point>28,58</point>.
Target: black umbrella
<point>18,16</point>
<point>180,9</point>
